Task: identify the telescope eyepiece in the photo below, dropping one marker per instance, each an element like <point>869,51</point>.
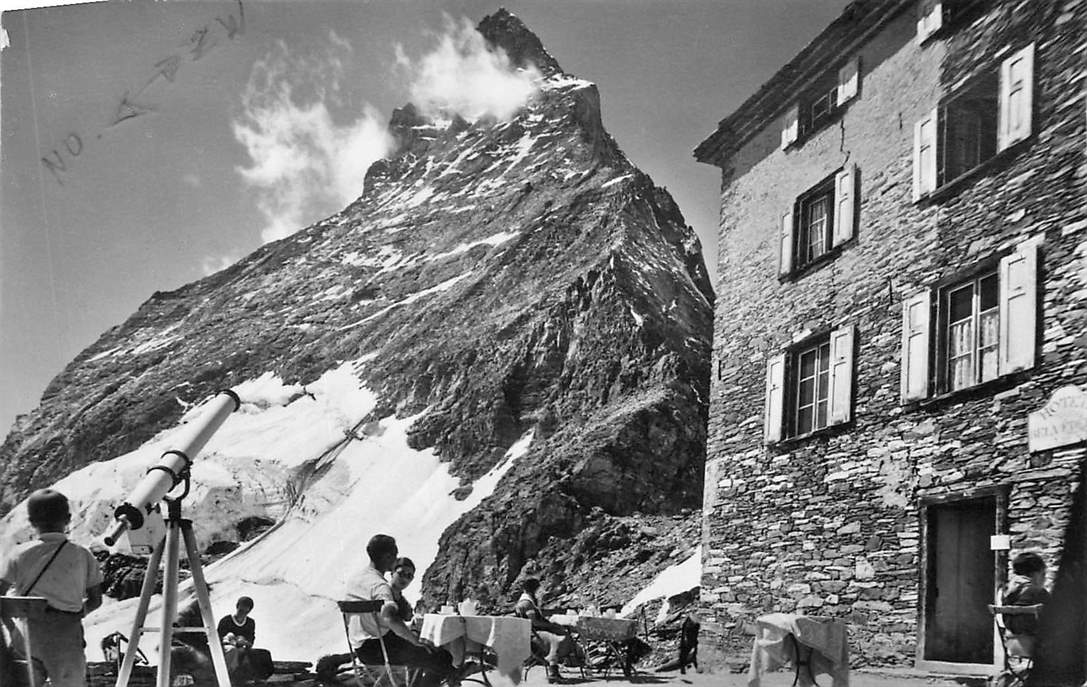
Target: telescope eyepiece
<point>130,514</point>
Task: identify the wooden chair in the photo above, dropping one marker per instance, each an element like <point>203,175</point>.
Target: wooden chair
<point>353,607</point>
<point>1018,649</point>
<point>29,607</point>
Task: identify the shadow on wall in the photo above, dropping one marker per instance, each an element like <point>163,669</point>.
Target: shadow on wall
<point>1062,650</point>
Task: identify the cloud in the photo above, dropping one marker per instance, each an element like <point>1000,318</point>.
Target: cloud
<point>304,165</point>
<point>192,179</point>
<point>464,75</point>
<point>216,263</point>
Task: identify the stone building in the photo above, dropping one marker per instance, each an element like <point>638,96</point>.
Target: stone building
<point>900,339</point>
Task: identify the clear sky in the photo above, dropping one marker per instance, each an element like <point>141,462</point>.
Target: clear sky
<point>148,144</point>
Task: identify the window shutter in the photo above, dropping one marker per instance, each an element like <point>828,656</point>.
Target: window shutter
<point>791,129</point>
<point>924,155</point>
<point>775,398</point>
<point>849,78</point>
<point>841,375</point>
<point>1018,309</point>
<point>916,326</point>
<point>845,205</point>
<point>1016,97</point>
<point>930,17</point>
<point>785,251</point>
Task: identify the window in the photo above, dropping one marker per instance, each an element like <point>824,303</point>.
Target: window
<point>984,328</point>
<point>814,213</point>
<point>971,319</point>
<point>812,367</point>
<point>817,109</point>
<point>810,386</point>
<point>821,103</point>
<point>820,220</point>
<point>987,116</point>
<point>967,129</point>
<point>935,15</point>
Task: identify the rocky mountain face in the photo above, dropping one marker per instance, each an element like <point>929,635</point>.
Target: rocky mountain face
<point>496,280</point>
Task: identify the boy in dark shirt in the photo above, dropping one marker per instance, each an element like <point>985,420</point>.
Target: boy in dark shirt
<point>238,631</point>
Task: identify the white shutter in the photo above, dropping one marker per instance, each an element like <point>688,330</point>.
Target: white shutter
<point>775,398</point>
<point>849,78</point>
<point>790,130</point>
<point>1018,309</point>
<point>785,250</point>
<point>924,155</point>
<point>916,327</point>
<point>845,205</point>
<point>930,17</point>
<point>1016,97</point>
<point>841,375</point>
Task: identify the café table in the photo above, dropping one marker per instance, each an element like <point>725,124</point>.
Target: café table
<point>463,635</point>
<point>614,633</point>
<point>811,644</point>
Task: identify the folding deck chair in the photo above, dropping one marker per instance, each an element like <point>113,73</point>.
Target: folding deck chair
<point>1018,649</point>
<point>24,607</point>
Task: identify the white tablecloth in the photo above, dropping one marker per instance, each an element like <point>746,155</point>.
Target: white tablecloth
<point>826,638</point>
<point>507,636</point>
<point>598,627</point>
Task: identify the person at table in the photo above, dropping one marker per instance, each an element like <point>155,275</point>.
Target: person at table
<point>550,641</point>
<point>403,646</point>
<point>402,574</point>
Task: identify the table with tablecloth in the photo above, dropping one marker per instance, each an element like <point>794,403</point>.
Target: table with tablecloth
<point>599,628</point>
<point>507,636</point>
<point>615,633</point>
<point>822,645</point>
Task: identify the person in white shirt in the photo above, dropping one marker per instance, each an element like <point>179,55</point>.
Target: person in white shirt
<point>403,646</point>
<point>67,576</point>
<point>550,641</point>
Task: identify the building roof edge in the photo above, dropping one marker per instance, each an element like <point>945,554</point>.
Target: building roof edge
<point>849,30</point>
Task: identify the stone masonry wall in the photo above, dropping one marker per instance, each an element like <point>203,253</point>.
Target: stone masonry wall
<point>829,525</point>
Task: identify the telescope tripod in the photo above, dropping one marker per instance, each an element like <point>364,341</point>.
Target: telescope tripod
<point>177,529</point>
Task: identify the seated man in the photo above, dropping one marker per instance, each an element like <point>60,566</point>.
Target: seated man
<point>404,646</point>
<point>1026,588</point>
<point>402,575</point>
<point>551,641</point>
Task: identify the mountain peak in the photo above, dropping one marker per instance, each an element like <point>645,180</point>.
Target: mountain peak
<point>504,30</point>
<point>510,314</point>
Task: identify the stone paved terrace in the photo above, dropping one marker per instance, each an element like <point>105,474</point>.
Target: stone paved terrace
<point>538,678</point>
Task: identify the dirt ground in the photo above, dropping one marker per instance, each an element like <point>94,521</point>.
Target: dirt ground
<point>858,678</point>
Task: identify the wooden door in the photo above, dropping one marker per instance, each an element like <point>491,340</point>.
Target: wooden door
<point>959,581</point>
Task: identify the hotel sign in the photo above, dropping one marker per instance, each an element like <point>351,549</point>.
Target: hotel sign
<point>1062,421</point>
